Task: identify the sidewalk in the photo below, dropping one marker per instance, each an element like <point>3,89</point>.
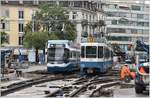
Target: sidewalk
<point>34,68</point>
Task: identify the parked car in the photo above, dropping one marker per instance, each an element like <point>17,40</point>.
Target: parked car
<point>142,78</point>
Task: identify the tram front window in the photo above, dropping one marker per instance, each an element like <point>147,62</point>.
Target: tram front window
<point>58,55</point>
<point>82,51</point>
<point>91,51</point>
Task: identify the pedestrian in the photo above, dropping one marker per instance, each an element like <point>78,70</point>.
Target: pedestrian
<point>18,73</point>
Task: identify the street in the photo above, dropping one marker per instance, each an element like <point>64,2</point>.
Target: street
<point>74,48</point>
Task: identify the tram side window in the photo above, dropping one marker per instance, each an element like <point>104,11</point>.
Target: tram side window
<point>78,55</point>
<point>91,52</point>
<point>74,54</point>
<point>111,54</point>
<point>66,55</point>
<point>106,51</point>
<point>100,52</point>
<point>82,51</point>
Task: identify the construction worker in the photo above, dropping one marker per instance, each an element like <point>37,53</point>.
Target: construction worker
<point>125,72</point>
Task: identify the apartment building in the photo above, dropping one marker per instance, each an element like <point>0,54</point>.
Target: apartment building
<point>15,14</point>
<point>127,21</point>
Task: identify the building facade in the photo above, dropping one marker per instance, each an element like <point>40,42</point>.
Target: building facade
<point>127,21</point>
<point>17,13</point>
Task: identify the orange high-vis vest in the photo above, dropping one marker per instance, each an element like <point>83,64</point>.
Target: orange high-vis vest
<point>142,70</point>
<point>125,71</point>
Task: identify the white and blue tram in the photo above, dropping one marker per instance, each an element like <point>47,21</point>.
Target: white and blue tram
<point>62,56</point>
<point>95,57</point>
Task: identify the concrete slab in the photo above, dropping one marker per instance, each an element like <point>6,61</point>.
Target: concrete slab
<point>128,93</point>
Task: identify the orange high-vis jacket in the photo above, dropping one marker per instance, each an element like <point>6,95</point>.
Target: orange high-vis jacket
<point>125,71</point>
<point>142,70</point>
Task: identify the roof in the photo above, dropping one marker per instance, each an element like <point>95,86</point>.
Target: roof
<point>58,41</point>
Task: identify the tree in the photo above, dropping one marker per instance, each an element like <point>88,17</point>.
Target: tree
<point>49,22</point>
<point>53,19</point>
<point>37,40</point>
<point>4,37</point>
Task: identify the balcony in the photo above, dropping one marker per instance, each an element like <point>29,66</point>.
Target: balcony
<point>128,34</point>
<point>129,18</point>
<point>128,27</point>
<point>121,42</point>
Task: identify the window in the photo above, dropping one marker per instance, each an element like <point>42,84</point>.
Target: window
<point>3,26</point>
<point>140,31</point>
<point>140,16</point>
<point>146,31</point>
<point>35,2</point>
<point>20,40</point>
<point>134,15</point>
<point>57,54</point>
<point>100,52</point>
<point>116,30</point>
<point>82,15</point>
<point>119,38</point>
<point>7,25</point>
<point>146,39</point>
<point>21,14</point>
<point>134,31</point>
<point>77,4</point>
<point>113,6</point>
<point>121,14</point>
<point>111,54</point>
<point>106,52</point>
<point>140,23</point>
<point>64,3</point>
<point>13,2</point>
<point>111,14</point>
<point>124,7</point>
<point>86,16</point>
<point>90,18</point>
<point>146,24</point>
<point>5,13</point>
<point>28,2</point>
<point>134,7</point>
<point>133,23</point>
<point>74,54</point>
<point>21,27</point>
<point>74,15</point>
<point>146,16</point>
<point>82,51</point>
<point>93,17</point>
<point>114,22</point>
<point>91,51</point>
<point>146,8</point>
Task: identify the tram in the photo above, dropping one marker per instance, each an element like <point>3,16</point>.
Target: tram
<point>96,57</point>
<point>62,56</point>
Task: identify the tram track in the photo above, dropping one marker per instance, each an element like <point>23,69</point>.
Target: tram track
<point>90,87</point>
<point>28,83</point>
<point>80,84</point>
